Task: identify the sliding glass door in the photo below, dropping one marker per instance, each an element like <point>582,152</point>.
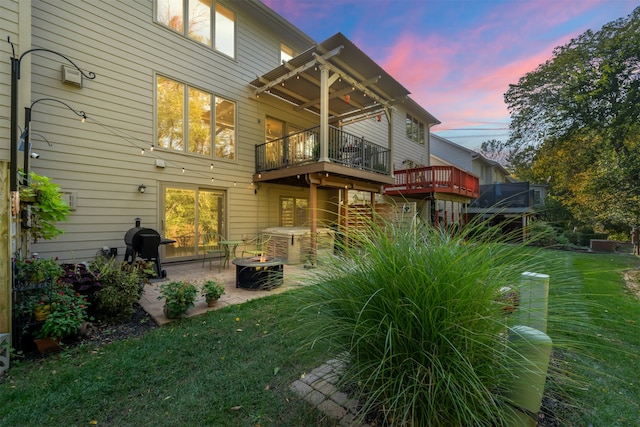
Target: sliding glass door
<point>188,213</point>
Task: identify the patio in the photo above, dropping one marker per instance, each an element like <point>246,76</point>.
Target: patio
<point>194,272</point>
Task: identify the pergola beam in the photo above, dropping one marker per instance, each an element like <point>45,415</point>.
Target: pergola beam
<point>353,82</point>
<point>338,93</point>
<point>297,70</point>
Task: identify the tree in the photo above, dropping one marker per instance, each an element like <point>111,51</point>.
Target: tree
<point>495,150</point>
<point>578,115</point>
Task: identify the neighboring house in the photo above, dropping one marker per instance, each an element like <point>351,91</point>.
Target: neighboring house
<point>489,171</point>
<point>504,201</point>
<point>440,186</point>
<point>217,117</point>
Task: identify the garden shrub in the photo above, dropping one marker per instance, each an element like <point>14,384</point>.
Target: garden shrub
<point>417,316</point>
<point>543,234</point>
<point>85,280</point>
<point>120,292</point>
<point>111,289</point>
<point>121,289</point>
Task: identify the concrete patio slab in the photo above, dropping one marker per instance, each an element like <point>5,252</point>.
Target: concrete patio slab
<point>196,273</point>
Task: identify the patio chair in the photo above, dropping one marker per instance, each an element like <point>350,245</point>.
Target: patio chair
<point>257,246</point>
<point>212,248</point>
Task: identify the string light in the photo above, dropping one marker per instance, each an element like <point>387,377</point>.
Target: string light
<point>234,183</point>
<point>130,140</point>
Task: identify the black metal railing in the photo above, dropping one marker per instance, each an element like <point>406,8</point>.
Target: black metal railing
<point>504,195</point>
<point>304,147</point>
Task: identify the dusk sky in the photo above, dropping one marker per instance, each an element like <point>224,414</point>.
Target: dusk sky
<point>456,57</point>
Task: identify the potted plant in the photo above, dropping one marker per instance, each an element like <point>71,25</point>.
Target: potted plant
<point>31,271</point>
<point>212,291</point>
<point>33,284</point>
<point>67,313</point>
<point>44,206</point>
<point>179,297</point>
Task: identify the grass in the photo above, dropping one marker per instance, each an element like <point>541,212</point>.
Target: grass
<point>593,321</point>
<point>232,367</point>
<point>229,367</point>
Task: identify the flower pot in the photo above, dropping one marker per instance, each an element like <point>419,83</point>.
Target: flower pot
<point>48,345</point>
<point>212,302</point>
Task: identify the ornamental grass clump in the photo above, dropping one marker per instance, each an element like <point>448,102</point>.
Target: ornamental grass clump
<point>417,314</point>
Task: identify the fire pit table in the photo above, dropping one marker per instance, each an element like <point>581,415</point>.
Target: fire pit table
<point>259,272</point>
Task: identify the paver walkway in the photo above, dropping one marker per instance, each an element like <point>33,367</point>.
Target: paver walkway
<point>318,387</point>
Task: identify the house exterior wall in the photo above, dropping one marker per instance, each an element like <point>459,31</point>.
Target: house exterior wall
<point>488,172</point>
<point>403,148</point>
<point>100,162</point>
<point>452,153</point>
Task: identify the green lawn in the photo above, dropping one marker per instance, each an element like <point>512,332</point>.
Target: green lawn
<point>232,367</point>
<point>591,308</point>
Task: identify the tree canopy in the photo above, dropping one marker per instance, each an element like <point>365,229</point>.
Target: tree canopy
<point>576,124</point>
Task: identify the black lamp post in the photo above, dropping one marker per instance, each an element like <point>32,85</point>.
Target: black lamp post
<point>15,76</point>
<point>27,125</point>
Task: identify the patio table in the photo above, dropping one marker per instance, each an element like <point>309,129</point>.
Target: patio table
<point>230,248</point>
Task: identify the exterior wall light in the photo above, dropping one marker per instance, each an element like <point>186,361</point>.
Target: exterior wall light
<point>141,188</point>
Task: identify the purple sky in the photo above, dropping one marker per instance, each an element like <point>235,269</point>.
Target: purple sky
<point>456,57</point>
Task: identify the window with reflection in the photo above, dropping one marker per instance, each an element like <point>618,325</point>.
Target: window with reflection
<point>186,118</point>
<point>194,19</point>
<point>294,211</point>
<point>415,129</point>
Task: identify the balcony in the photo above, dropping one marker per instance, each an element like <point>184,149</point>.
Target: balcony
<point>434,179</point>
<point>350,157</point>
<point>303,147</point>
<point>514,197</point>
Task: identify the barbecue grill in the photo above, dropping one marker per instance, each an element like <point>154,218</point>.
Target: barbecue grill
<point>144,243</point>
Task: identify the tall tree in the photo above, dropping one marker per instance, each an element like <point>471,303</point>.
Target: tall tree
<point>579,111</point>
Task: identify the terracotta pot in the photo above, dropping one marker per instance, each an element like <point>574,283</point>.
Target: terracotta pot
<point>48,345</point>
<point>212,302</point>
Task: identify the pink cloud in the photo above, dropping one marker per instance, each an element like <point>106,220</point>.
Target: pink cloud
<point>457,72</point>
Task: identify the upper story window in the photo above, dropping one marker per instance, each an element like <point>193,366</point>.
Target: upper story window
<point>186,118</point>
<point>415,129</point>
<point>286,53</point>
<point>200,24</point>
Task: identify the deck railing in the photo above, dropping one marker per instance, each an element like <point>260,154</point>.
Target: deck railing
<point>505,196</point>
<point>437,179</point>
<point>304,147</point>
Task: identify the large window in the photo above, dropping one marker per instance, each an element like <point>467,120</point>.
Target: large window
<point>186,117</point>
<point>294,212</point>
<point>415,129</point>
<point>200,24</point>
